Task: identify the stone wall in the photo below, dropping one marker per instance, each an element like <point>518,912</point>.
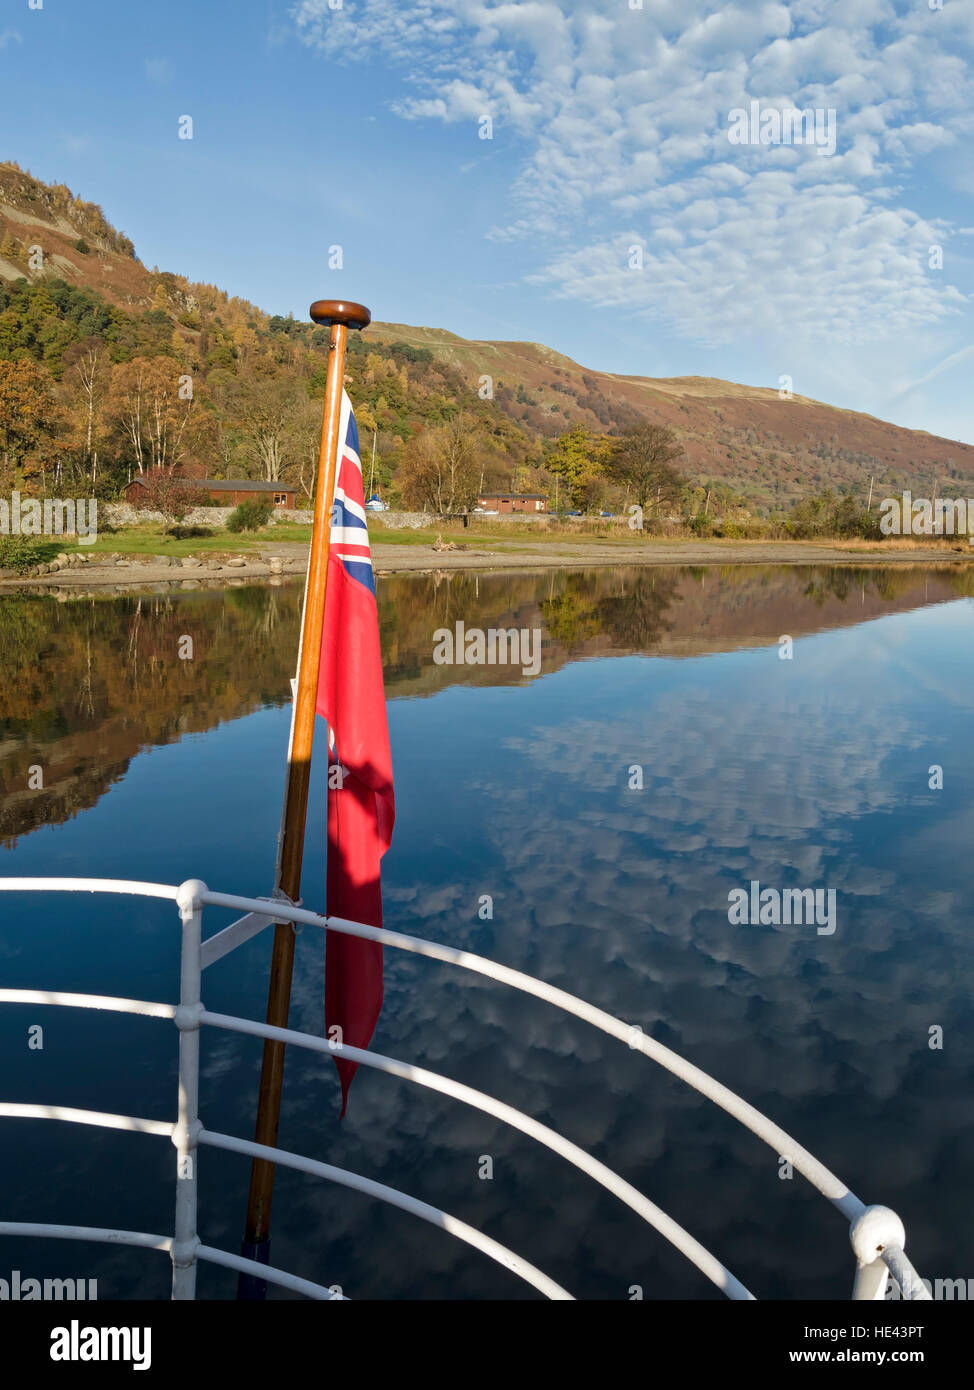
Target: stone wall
<point>516,517</point>
<point>404,521</point>
<point>122,514</point>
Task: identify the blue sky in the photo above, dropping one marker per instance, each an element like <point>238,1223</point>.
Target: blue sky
<point>360,126</point>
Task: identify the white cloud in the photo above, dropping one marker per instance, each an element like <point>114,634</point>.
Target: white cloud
<point>919,139</point>
<point>619,122</point>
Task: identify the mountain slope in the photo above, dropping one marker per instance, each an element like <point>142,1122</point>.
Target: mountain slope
<point>767,448</point>
<point>771,451</point>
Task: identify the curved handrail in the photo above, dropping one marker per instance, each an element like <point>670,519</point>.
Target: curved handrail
<point>778,1139</point>
<point>746,1114</point>
<point>341,1176</point>
<point>911,1285</point>
<point>671,1230</point>
<point>451,1224</point>
<point>195,892</point>
<point>123,886</point>
<point>104,1002</point>
<point>143,1240</point>
<point>17,1110</point>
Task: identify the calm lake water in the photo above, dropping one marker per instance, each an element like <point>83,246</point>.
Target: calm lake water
<point>813,772</point>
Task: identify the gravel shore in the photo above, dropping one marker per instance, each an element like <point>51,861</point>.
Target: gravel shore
<point>101,572</point>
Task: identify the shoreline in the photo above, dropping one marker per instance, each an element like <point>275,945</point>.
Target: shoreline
<point>405,559</point>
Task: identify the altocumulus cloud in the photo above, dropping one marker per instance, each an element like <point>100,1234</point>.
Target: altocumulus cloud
<point>620,118</point>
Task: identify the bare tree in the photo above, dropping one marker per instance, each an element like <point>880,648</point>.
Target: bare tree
<point>153,415</point>
<point>643,461</point>
<point>440,468</point>
<point>305,445</point>
<point>267,421</point>
<point>85,373</point>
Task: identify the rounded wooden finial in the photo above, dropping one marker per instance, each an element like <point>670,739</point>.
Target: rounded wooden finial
<point>329,311</point>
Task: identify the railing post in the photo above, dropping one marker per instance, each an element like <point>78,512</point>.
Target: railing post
<point>910,1284</point>
<point>186,1134</point>
<point>870,1234</point>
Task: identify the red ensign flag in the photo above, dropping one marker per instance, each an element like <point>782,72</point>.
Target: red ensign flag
<point>361,803</point>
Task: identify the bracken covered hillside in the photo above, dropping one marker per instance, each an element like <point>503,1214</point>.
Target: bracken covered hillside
<point>768,449</point>
<point>76,302</point>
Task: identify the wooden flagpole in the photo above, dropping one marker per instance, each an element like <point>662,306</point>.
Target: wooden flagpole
<point>339,316</point>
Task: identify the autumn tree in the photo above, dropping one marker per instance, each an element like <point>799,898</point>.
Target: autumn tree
<point>642,461</point>
<point>152,403</point>
<point>440,468</point>
<point>579,458</point>
<point>268,421</point>
<point>13,250</point>
<point>305,441</point>
<point>29,418</point>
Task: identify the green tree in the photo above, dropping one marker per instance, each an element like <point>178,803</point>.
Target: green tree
<point>580,459</point>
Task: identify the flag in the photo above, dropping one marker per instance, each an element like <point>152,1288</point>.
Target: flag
<point>361,802</point>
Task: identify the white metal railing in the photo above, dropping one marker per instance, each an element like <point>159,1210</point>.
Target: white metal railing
<point>876,1233</point>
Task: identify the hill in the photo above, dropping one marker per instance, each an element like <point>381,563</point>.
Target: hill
<point>71,284</point>
<point>768,449</point>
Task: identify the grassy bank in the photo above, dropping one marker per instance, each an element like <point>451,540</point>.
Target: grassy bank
<point>550,535</point>
<point>153,539</point>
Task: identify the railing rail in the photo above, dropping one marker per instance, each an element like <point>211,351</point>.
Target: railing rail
<point>165,1243</point>
<point>876,1233</point>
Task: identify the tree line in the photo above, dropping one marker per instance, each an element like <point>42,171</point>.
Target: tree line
<point>201,384</point>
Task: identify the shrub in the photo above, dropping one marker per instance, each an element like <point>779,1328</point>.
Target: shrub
<point>828,515</point>
<point>82,246</point>
<point>249,516</point>
<point>189,533</point>
<point>22,553</point>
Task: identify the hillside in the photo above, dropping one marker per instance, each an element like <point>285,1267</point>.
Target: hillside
<point>768,449</point>
<point>258,382</point>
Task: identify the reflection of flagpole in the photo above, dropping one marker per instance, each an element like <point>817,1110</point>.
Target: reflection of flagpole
<point>339,317</point>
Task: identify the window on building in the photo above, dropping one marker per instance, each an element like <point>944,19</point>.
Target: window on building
<point>280,499</point>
